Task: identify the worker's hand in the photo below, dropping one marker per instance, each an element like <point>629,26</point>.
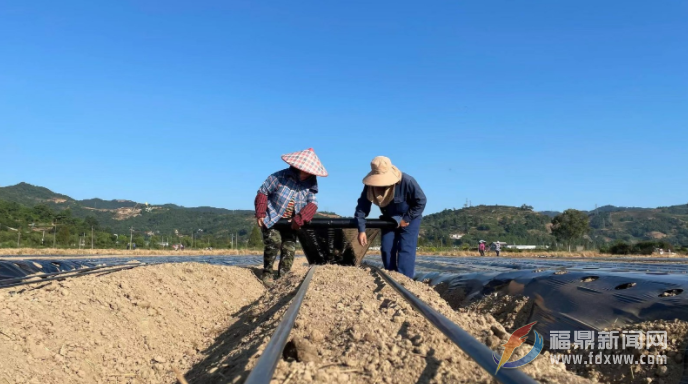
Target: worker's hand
<point>403,223</point>
<point>362,239</point>
<point>260,222</point>
<point>297,222</point>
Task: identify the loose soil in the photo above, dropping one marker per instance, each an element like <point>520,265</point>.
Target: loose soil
<point>353,328</point>
<point>513,312</point>
<point>48,252</point>
<point>212,323</point>
<point>130,326</point>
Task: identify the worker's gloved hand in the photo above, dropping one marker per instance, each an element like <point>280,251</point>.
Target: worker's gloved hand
<point>296,222</point>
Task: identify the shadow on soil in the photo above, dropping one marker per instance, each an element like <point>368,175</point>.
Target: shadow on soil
<point>226,360</point>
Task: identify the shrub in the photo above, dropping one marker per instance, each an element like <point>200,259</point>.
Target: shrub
<point>620,248</point>
<point>645,247</point>
<point>641,248</point>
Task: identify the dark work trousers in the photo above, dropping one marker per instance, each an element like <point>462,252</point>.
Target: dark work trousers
<point>398,248</point>
<point>283,240</point>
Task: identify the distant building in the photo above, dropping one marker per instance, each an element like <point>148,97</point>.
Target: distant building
<point>456,236</point>
<point>521,246</point>
<point>513,246</point>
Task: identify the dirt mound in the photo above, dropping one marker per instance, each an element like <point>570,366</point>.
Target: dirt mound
<point>131,326</point>
<point>353,328</point>
<point>514,312</point>
<point>213,322</point>
<point>668,373</point>
<point>234,353</point>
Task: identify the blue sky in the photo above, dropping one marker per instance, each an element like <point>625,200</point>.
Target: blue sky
<point>559,105</point>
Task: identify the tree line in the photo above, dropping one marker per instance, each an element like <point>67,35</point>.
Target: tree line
<point>41,226</point>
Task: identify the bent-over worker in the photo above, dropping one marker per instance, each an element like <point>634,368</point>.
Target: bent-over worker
<point>400,198</point>
<point>290,194</point>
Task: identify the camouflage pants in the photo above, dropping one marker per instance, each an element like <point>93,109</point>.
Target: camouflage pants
<point>276,240</point>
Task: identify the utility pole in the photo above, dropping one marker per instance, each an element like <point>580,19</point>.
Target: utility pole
<point>18,237</point>
<point>131,238</point>
<point>55,234</point>
<point>91,237</point>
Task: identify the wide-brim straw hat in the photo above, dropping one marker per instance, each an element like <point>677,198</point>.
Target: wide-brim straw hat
<point>382,173</point>
<point>306,161</point>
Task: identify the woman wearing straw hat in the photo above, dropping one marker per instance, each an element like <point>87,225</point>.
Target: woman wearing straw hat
<point>399,197</point>
<point>291,194</point>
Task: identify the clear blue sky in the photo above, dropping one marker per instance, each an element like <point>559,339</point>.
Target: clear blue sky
<point>557,104</point>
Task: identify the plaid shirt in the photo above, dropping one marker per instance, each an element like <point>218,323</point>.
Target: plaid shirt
<point>282,187</point>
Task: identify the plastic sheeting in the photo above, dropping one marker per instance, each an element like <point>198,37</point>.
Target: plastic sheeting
<point>577,299</point>
<point>15,269</point>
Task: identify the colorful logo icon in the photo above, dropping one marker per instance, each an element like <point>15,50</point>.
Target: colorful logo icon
<point>517,338</point>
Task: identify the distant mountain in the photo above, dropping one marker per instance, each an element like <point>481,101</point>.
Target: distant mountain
<point>519,225</point>
<point>106,204</point>
<point>611,208</point>
<point>633,224</point>
<point>30,195</point>
<point>490,223</point>
<point>121,215</point>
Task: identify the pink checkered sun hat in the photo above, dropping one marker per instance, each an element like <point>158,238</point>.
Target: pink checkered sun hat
<point>306,161</point>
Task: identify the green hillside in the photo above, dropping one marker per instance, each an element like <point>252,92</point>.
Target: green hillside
<point>30,195</point>
<point>665,223</point>
<point>168,221</point>
<point>490,223</point>
<point>451,227</point>
<point>514,225</point>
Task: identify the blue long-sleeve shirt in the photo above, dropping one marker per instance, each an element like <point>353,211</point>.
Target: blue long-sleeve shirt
<point>408,204</point>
